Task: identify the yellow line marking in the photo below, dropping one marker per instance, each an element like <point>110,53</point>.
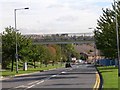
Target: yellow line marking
<point>97,83</point>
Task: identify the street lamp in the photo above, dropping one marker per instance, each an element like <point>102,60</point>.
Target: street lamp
<point>94,45</point>
<point>16,55</point>
<point>117,35</point>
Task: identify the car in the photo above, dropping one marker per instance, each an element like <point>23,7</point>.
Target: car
<point>67,65</point>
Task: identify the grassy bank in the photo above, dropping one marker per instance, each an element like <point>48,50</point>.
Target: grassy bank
<point>110,76</point>
<point>119,83</point>
<point>30,70</point>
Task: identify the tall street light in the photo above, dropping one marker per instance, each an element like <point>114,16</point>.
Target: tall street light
<point>117,35</point>
<point>16,55</point>
<point>94,45</point>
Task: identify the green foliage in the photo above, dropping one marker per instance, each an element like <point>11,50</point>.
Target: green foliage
<point>30,53</point>
<point>68,49</point>
<point>0,50</point>
<point>110,77</point>
<point>9,46</point>
<point>48,56</point>
<point>58,52</point>
<point>105,35</point>
<point>83,58</point>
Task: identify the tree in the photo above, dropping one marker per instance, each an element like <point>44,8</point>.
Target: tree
<point>48,56</point>
<point>34,54</point>
<point>57,53</point>
<point>53,53</point>
<point>41,52</point>
<point>24,50</point>
<point>105,35</point>
<point>68,50</point>
<point>0,50</point>
<point>9,46</point>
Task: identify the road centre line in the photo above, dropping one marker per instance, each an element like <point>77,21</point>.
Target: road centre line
<point>31,86</point>
<point>53,75</point>
<point>63,72</point>
<point>41,82</point>
<point>33,82</point>
<point>20,86</point>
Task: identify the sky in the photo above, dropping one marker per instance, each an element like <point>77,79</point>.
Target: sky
<point>52,16</point>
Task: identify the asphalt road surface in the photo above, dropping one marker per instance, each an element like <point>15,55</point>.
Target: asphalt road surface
<point>78,76</point>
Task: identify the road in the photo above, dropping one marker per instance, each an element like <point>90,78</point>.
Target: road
<point>79,76</point>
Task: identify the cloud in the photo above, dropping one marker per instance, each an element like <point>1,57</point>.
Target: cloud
<point>53,16</point>
<point>55,6</point>
<point>67,18</point>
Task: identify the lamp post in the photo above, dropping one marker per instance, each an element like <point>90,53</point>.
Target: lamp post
<point>61,54</point>
<point>117,35</point>
<point>16,55</point>
<point>94,45</point>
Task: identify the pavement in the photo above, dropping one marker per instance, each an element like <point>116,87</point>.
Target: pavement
<point>79,76</point>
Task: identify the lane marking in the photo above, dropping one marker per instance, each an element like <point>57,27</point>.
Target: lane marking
<point>53,75</point>
<point>41,82</point>
<point>31,86</point>
<point>37,82</point>
<point>63,72</point>
<point>33,82</point>
<point>20,86</point>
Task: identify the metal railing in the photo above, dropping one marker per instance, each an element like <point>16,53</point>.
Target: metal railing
<point>66,38</point>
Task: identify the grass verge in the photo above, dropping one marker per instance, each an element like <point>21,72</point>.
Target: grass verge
<point>119,83</point>
<point>30,70</point>
<point>110,76</point>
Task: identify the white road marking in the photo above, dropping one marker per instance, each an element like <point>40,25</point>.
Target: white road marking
<point>20,86</point>
<point>63,72</point>
<point>53,75</point>
<point>31,86</point>
<point>32,82</point>
<point>41,82</point>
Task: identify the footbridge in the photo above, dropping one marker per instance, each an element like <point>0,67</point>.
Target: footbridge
<point>65,38</point>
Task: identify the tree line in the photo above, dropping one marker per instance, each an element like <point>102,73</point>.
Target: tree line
<point>105,33</point>
<point>31,53</point>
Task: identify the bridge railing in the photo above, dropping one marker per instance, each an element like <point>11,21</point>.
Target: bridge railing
<point>78,37</point>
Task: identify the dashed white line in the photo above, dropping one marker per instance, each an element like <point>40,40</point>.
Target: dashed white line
<point>63,72</point>
<point>41,82</point>
<point>31,86</point>
<point>20,86</point>
<point>32,82</point>
<point>53,75</point>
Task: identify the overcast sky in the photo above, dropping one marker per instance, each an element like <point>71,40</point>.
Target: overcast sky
<point>52,16</point>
